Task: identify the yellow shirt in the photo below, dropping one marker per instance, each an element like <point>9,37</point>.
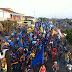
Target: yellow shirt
<point>40,34</point>
<point>66,55</point>
<point>32,54</point>
<point>4,66</point>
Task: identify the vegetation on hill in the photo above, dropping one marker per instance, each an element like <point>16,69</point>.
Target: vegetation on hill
<point>8,25</point>
<point>70,23</point>
<point>69,35</point>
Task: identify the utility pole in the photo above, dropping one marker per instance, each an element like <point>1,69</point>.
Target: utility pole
<point>34,15</point>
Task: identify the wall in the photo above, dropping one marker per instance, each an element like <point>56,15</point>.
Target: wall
<point>1,14</point>
<point>6,15</point>
<point>2,19</point>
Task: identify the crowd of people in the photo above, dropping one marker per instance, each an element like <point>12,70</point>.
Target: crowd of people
<point>23,47</point>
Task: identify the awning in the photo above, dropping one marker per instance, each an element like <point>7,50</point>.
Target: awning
<point>17,15</point>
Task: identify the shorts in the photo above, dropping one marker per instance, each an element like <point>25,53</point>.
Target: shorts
<point>45,58</point>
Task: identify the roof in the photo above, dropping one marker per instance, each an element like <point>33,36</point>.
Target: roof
<point>8,10</point>
<point>29,17</point>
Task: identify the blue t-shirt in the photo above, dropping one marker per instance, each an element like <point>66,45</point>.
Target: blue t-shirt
<point>29,68</point>
<point>12,44</point>
<point>20,45</point>
<point>29,52</point>
<point>14,56</point>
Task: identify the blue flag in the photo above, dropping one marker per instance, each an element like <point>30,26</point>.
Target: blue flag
<point>58,63</point>
<point>47,29</point>
<point>14,31</point>
<point>38,59</point>
<point>54,43</point>
<point>43,28</point>
<point>7,39</point>
<point>30,34</point>
<point>25,43</point>
<point>19,38</point>
<point>54,24</point>
<point>40,45</point>
<point>20,45</point>
<point>22,33</point>
<point>12,44</point>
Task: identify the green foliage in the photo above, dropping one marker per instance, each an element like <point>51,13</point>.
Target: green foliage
<point>44,19</point>
<point>8,25</point>
<point>69,35</point>
<point>56,23</point>
<point>70,23</point>
<point>53,21</point>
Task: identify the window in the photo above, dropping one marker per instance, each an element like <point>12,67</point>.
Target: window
<point>11,15</point>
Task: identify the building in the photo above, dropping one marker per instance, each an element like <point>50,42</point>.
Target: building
<point>9,14</point>
<point>30,18</point>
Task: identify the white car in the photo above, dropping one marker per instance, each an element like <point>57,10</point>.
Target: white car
<point>5,54</point>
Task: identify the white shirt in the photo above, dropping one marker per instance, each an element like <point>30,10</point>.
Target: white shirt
<point>69,66</point>
<point>44,35</point>
<point>12,34</point>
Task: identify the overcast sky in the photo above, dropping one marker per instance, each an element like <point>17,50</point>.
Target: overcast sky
<point>43,8</point>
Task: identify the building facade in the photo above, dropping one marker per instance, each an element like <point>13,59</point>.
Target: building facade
<point>9,14</point>
<point>30,18</point>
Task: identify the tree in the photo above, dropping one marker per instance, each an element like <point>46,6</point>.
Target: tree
<point>69,35</point>
<point>8,25</point>
<point>43,19</point>
<point>70,23</point>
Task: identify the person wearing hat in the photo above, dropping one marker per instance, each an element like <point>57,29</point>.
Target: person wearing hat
<point>54,67</point>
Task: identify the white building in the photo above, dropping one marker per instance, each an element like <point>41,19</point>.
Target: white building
<point>9,14</point>
<point>30,18</point>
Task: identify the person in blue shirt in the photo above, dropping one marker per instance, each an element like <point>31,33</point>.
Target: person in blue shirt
<point>29,52</point>
<point>14,57</point>
<point>29,68</point>
<point>12,44</point>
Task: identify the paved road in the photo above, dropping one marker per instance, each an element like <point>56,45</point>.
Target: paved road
<point>49,66</point>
